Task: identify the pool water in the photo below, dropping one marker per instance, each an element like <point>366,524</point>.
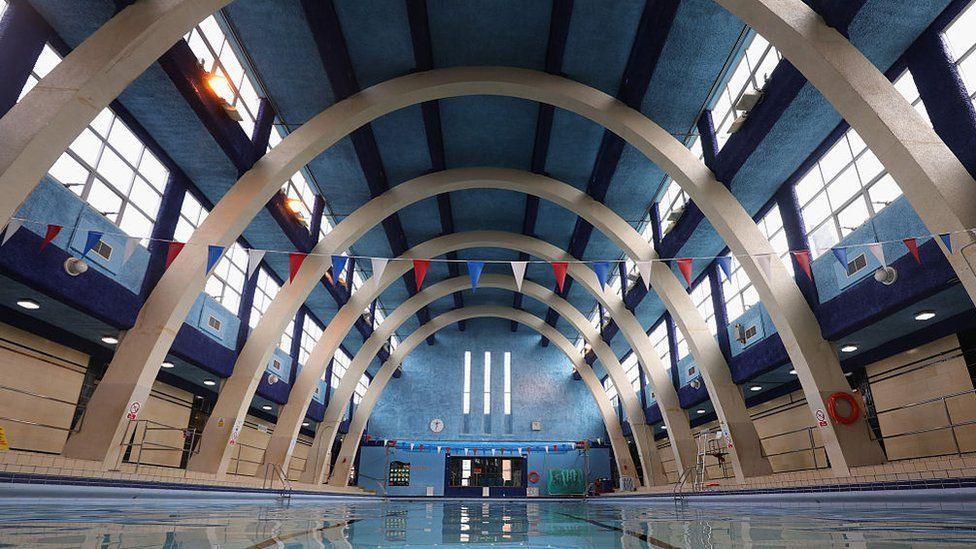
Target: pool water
<point>197,523</point>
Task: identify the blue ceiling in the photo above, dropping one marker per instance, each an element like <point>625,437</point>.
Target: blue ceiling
<point>490,131</point>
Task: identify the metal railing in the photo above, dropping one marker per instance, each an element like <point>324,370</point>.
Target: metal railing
<point>130,446</point>
<point>48,398</point>
<point>811,448</point>
<point>951,425</point>
<point>238,459</point>
<point>272,470</point>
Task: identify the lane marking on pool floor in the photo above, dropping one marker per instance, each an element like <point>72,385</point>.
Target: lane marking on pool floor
<point>273,541</point>
<point>639,535</point>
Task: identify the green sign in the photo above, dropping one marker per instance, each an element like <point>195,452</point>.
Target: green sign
<point>566,481</point>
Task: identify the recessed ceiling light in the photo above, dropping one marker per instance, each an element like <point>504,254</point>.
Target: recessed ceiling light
<point>848,374</point>
<point>111,340</point>
<point>792,372</point>
<point>699,412</point>
<point>922,316</point>
<point>167,365</point>
<point>664,427</point>
<point>266,407</point>
<point>755,388</point>
<point>304,424</point>
<point>849,348</point>
<point>209,382</point>
<point>29,304</point>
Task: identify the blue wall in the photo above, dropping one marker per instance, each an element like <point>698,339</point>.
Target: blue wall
<point>542,389</point>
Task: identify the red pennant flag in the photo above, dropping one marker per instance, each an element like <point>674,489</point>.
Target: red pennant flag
<point>559,269</point>
<point>52,231</point>
<point>420,271</point>
<point>172,251</point>
<point>684,265</point>
<point>803,258</point>
<point>912,246</point>
<point>295,260</point>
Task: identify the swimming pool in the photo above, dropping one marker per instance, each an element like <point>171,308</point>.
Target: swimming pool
<point>195,523</point>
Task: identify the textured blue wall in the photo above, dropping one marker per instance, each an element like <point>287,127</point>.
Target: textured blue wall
<point>542,389</point>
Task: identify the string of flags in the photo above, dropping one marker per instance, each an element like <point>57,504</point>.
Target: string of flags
<point>475,268</point>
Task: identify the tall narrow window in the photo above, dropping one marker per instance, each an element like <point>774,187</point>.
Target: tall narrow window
<point>487,382</point>
<point>508,384</point>
<point>466,395</point>
<point>264,294</point>
<point>754,68</point>
<point>340,363</point>
<point>961,37</point>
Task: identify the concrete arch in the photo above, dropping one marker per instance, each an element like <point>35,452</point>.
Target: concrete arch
<point>316,466</point>
<point>621,451</point>
<point>351,442</point>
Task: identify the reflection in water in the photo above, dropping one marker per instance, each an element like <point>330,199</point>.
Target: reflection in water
<point>335,523</point>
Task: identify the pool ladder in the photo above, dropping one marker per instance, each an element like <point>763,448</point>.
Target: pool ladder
<point>706,446</point>
<point>272,470</point>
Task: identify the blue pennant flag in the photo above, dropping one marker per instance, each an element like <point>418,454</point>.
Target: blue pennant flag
<point>725,262</point>
<point>474,271</point>
<point>841,255</point>
<point>947,240</point>
<point>213,256</point>
<point>601,268</point>
<point>338,266</point>
<point>93,238</point>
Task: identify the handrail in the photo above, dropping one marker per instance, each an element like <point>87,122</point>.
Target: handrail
<point>38,395</point>
<point>36,424</point>
<point>268,483</point>
<point>151,446</point>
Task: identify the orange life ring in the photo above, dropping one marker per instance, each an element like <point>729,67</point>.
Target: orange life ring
<point>851,401</point>
<point>534,477</point>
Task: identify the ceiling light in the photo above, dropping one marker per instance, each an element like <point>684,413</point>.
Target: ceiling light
<point>699,411</point>
<point>111,340</point>
<point>266,407</point>
<point>209,382</point>
<point>294,205</point>
<point>922,316</point>
<point>29,304</point>
<point>664,427</point>
<point>221,86</point>
<point>304,424</point>
<point>849,348</point>
<point>792,372</point>
<point>167,365</point>
<point>848,374</point>
<point>755,388</point>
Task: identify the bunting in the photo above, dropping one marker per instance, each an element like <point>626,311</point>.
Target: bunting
<point>173,250</point>
<point>518,270</point>
<point>877,250</point>
<point>474,271</point>
<point>420,271</point>
<point>295,260</point>
<point>765,263</point>
<point>12,227</point>
<point>644,268</point>
<point>841,255</point>
<point>94,237</point>
<point>131,244</point>
<point>602,269</point>
<point>559,270</point>
<point>947,240</point>
<point>52,231</point>
<point>912,246</point>
<point>685,265</point>
<point>213,256</point>
<point>339,263</point>
<point>803,259</point>
<point>725,262</point>
<point>379,266</point>
<point>254,258</point>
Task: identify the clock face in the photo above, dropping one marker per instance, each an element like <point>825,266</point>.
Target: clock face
<point>436,425</point>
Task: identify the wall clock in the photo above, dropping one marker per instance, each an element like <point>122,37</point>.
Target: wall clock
<point>436,425</point>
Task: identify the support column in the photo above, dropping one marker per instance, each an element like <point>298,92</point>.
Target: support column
<point>163,230</point>
<point>23,34</point>
<point>721,314</point>
<point>796,239</point>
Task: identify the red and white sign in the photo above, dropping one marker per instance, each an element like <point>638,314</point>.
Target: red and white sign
<point>821,418</point>
<point>133,411</point>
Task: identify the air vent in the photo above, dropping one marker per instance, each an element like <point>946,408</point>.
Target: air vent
<point>103,250</point>
<point>214,322</point>
<point>856,264</point>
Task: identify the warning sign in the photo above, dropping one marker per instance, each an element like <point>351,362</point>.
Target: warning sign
<point>821,418</point>
<point>220,422</point>
<point>4,443</point>
<point>235,431</point>
<point>133,411</point>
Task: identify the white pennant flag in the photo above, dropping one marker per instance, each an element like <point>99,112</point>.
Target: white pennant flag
<point>12,227</point>
<point>878,251</point>
<point>254,258</point>
<point>765,264</point>
<point>411,446</point>
<point>438,449</point>
<point>131,244</point>
<point>645,273</point>
<point>518,269</point>
<point>379,265</point>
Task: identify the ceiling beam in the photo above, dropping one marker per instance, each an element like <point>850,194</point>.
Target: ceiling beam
<point>652,33</point>
<point>562,14</point>
<point>323,22</point>
<point>423,55</point>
